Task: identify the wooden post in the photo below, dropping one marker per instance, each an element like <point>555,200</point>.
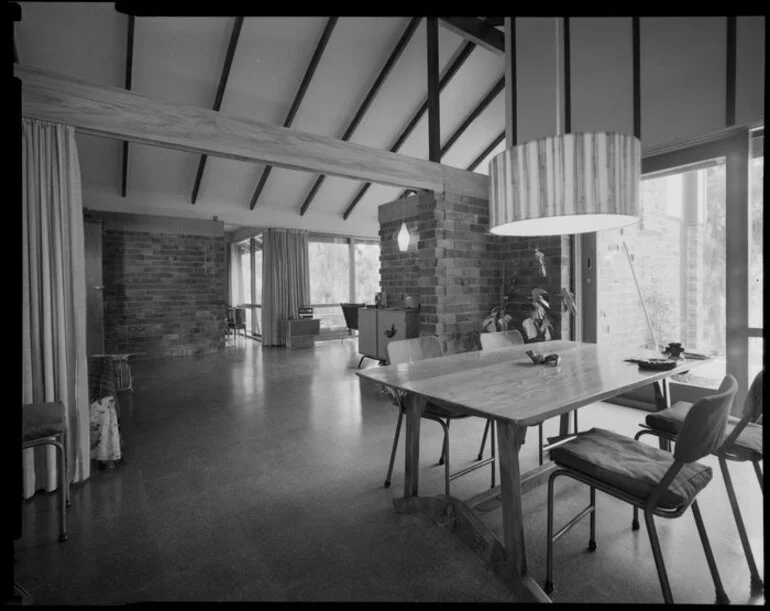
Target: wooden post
<point>434,129</point>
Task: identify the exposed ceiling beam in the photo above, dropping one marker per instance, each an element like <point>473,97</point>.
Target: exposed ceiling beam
<point>219,96</point>
<point>485,153</point>
<point>314,61</point>
<point>124,115</point>
<point>472,116</point>
<point>478,31</point>
<point>434,120</point>
<point>454,65</point>
<point>494,21</point>
<point>129,72</point>
<point>391,61</point>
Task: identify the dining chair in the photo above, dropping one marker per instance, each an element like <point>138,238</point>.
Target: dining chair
<point>46,424</point>
<point>350,312</point>
<point>743,443</point>
<point>506,339</point>
<point>659,483</point>
<point>238,321</point>
<point>417,349</point>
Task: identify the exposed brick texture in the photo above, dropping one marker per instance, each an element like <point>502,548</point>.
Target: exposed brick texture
<point>164,293</point>
<point>455,265</point>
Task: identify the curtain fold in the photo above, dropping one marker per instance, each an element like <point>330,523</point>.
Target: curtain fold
<point>285,281</point>
<point>54,361</point>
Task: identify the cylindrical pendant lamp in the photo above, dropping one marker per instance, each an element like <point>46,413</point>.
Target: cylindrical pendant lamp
<point>565,184</point>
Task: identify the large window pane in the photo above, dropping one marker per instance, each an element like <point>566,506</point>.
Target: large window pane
<point>756,216</point>
<point>678,254</point>
<point>329,269</point>
<point>367,269</point>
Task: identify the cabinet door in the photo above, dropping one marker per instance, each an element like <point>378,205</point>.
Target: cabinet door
<point>391,326</point>
<point>367,332</point>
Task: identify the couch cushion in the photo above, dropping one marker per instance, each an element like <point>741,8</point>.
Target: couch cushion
<point>631,466</point>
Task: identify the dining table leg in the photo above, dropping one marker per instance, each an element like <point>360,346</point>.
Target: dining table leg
<point>414,408</point>
<point>510,438</point>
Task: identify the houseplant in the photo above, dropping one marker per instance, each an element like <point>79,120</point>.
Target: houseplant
<point>529,311</point>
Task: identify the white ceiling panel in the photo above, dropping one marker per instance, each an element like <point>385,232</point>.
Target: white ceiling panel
<point>478,136</point>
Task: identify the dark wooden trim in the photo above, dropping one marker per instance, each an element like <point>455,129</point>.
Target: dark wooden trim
<point>637,76</point>
<point>434,122</point>
<point>475,163</point>
<point>472,116</point>
<point>386,69</point>
<point>129,71</point>
<point>730,88</point>
<point>510,79</point>
<point>477,31</point>
<point>220,94</point>
<point>567,80</point>
<point>454,65</point>
<point>314,61</point>
<point>494,21</point>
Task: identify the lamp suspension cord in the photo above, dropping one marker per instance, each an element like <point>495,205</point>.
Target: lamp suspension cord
<point>558,78</point>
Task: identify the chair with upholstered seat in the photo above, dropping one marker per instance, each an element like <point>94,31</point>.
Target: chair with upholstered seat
<point>46,424</point>
<point>350,312</point>
<point>659,483</point>
<point>505,339</point>
<point>416,349</point>
<point>743,443</point>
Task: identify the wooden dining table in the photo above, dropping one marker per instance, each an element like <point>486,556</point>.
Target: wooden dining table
<point>506,386</point>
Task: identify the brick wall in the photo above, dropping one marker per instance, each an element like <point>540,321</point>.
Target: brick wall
<point>164,290</point>
<point>454,264</point>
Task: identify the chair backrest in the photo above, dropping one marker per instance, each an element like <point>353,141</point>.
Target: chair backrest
<point>501,339</point>
<point>240,316</point>
<point>703,429</point>
<point>350,312</point>
<point>752,410</point>
<point>415,349</point>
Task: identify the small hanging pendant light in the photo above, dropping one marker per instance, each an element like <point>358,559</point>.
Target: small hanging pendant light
<point>403,238</point>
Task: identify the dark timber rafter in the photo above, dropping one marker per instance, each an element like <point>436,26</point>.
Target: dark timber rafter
<point>319,51</point>
<point>472,116</point>
<point>478,31</point>
<point>485,153</point>
<point>220,94</point>
<point>129,70</point>
<point>391,61</point>
<point>454,65</point>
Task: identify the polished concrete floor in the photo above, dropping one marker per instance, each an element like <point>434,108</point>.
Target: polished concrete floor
<point>257,475</point>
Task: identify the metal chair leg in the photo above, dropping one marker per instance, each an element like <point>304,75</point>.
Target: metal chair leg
<point>395,446</point>
<point>492,442</point>
<point>540,443</point>
<point>361,361</point>
<point>722,598</point>
<point>445,426</point>
<point>592,539</point>
<point>657,554</point>
<point>758,471</point>
<point>756,580</point>
<point>64,444</point>
<point>484,440</point>
<point>445,452</point>
<point>62,492</point>
<point>548,585</point>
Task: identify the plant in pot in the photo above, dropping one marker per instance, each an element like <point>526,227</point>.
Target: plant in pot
<point>529,311</point>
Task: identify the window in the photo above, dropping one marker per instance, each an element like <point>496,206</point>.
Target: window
<point>367,266</point>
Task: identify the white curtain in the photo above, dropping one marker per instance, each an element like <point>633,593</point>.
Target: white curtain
<point>54,362</point>
<point>285,281</point>
<point>236,280</point>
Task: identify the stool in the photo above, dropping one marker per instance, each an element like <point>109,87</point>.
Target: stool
<point>45,424</point>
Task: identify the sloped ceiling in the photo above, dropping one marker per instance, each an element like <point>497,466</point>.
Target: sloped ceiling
<point>180,59</point>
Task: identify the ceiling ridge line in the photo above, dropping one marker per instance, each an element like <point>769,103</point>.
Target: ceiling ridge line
<point>368,99</point>
<point>223,78</point>
<point>303,87</point>
<point>454,66</point>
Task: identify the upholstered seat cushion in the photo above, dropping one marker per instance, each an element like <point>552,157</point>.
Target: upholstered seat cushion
<point>630,466</point>
<point>42,420</point>
<point>748,446</point>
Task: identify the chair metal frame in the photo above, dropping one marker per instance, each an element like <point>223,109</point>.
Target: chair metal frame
<point>59,442</point>
<point>347,308</point>
<point>682,455</point>
<point>436,414</point>
<point>513,337</point>
<point>726,452</point>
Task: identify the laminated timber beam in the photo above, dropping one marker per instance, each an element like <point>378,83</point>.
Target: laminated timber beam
<point>477,31</point>
<point>116,113</point>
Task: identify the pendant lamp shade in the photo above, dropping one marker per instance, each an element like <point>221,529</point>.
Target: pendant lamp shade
<point>565,184</point>
<point>403,238</point>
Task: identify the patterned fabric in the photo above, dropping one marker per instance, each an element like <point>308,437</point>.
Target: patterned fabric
<point>105,433</point>
<point>101,378</point>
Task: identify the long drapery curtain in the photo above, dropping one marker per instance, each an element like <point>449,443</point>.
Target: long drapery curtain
<point>285,281</point>
<point>54,361</point>
<point>236,281</point>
